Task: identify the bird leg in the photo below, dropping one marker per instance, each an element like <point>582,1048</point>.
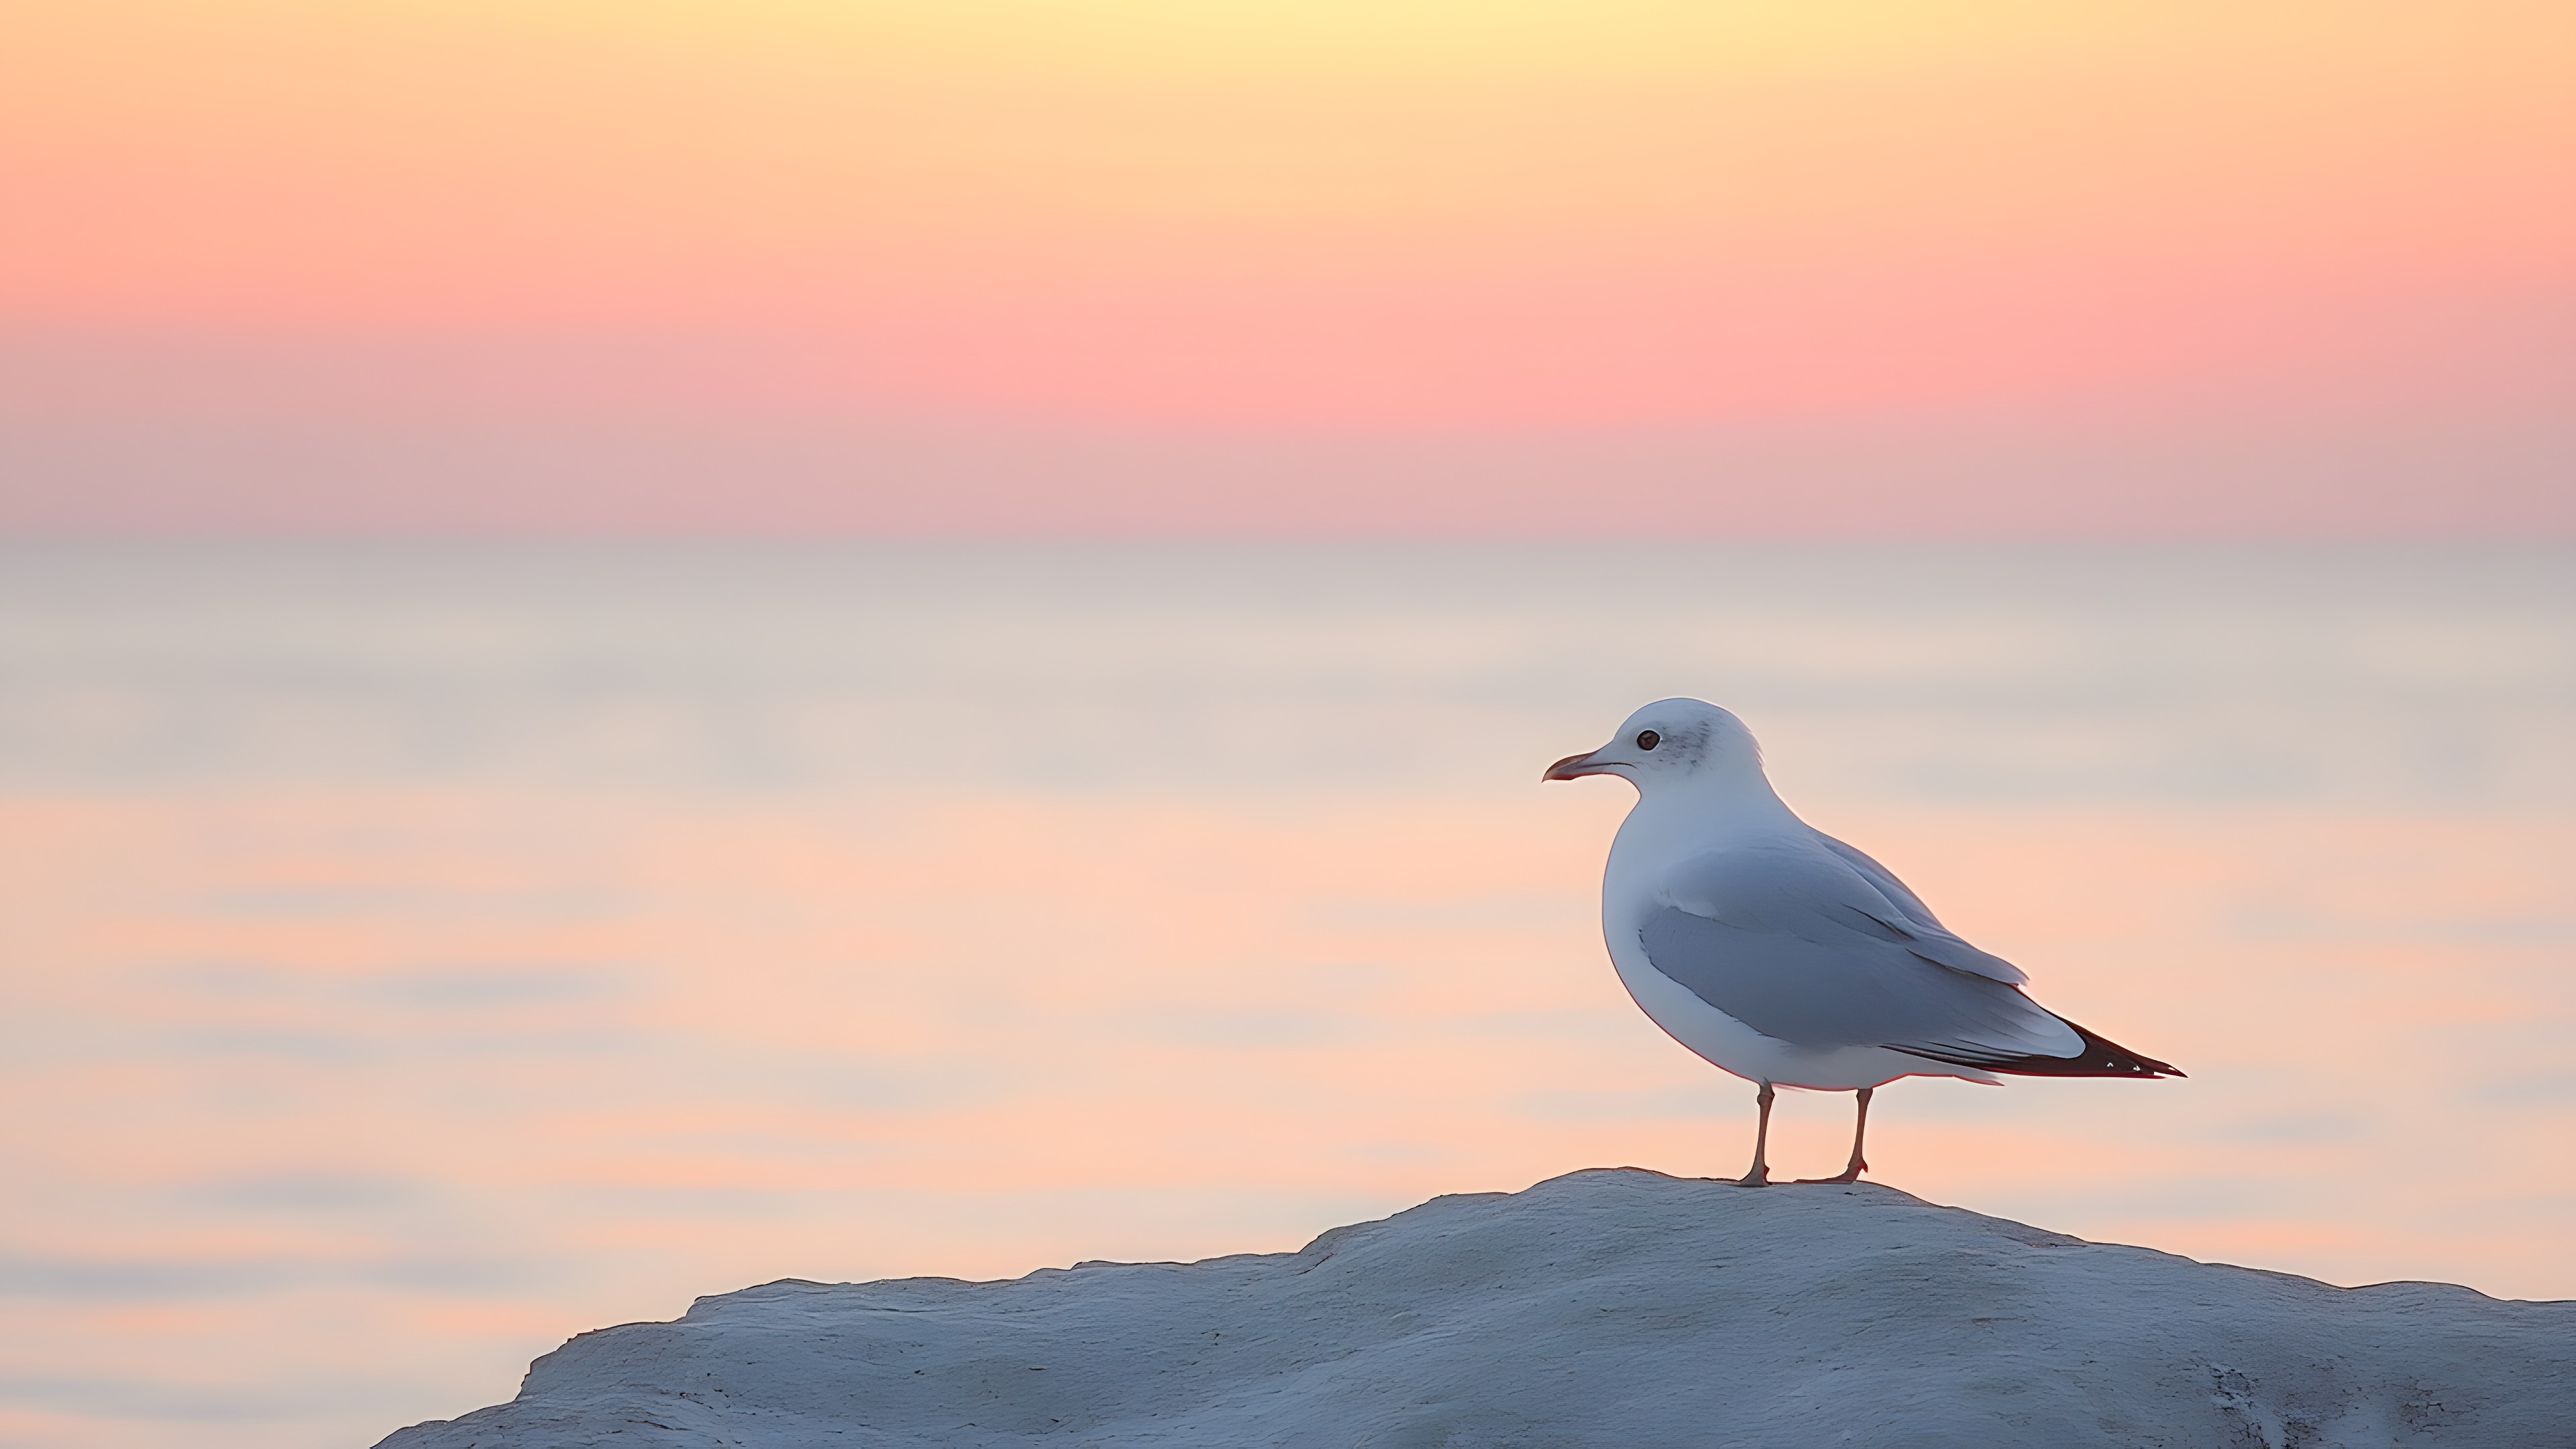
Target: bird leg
<point>1760,1175</point>
<point>1859,1126</point>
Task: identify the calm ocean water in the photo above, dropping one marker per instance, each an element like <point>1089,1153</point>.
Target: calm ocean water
<point>417,954</point>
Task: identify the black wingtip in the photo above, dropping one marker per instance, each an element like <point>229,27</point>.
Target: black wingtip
<point>2101,1057</point>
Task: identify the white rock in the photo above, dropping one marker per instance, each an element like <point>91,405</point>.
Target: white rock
<point>1613,1308</point>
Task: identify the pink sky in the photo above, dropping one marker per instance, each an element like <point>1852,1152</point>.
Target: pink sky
<point>1429,267</point>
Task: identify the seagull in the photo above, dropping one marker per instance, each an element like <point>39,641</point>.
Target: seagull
<point>1788,958</point>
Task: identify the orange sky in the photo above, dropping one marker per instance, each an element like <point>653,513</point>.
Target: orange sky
<point>1325,219</point>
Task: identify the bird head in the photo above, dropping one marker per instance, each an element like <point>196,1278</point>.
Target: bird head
<point>1669,744</point>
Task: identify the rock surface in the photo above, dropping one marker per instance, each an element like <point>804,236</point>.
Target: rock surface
<point>1611,1308</point>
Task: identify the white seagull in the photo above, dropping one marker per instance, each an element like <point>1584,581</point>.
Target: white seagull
<point>1786,957</point>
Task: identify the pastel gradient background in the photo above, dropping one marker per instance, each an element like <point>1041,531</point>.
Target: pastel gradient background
<point>1414,267</point>
<point>651,646</point>
<point>417,954</point>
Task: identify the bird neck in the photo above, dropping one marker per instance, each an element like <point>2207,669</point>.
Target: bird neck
<point>1718,802</point>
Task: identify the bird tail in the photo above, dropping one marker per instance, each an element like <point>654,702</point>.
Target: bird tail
<point>2101,1057</point>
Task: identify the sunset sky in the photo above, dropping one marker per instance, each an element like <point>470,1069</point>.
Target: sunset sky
<point>1066,265</point>
<point>1064,533</point>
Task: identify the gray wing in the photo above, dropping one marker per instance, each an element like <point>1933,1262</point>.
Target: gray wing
<point>1923,932</point>
<point>1815,994</point>
<point>1897,891</point>
<point>1800,946</point>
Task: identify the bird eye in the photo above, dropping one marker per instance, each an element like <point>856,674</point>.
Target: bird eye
<point>1648,739</point>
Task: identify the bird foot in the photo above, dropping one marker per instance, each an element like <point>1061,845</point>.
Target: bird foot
<point>1848,1174</point>
<point>1758,1177</point>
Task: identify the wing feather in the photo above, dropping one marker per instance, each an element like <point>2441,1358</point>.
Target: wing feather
<point>1803,945</point>
<point>1935,942</point>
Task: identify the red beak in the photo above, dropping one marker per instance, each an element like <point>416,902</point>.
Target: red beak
<point>1570,768</point>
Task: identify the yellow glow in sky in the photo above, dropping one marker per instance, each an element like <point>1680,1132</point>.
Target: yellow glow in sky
<point>1277,213</point>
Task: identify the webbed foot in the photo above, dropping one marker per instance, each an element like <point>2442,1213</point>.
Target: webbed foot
<point>1848,1174</point>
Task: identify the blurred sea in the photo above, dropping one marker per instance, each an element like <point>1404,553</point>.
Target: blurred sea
<point>416,954</point>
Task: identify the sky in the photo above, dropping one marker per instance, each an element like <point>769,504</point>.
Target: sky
<point>1409,266</point>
